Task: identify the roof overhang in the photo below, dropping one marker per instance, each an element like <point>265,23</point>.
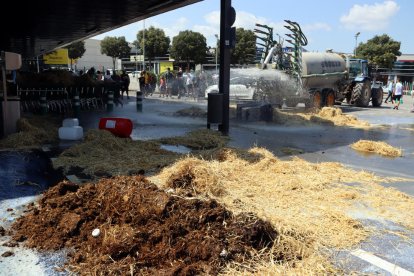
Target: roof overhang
<point>32,28</point>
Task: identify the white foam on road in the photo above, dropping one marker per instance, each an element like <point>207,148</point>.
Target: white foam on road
<point>383,264</point>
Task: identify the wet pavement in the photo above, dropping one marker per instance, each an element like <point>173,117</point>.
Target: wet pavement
<point>25,173</point>
<point>319,143</point>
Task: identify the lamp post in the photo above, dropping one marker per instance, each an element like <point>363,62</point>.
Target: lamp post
<point>143,48</point>
<point>216,51</point>
<point>356,41</point>
<point>136,59</point>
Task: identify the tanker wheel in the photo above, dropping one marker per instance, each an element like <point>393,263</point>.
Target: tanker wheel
<point>317,99</point>
<point>362,94</point>
<point>291,102</point>
<point>330,99</point>
<point>377,96</point>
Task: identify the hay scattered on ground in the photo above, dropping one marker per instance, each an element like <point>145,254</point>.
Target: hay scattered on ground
<point>33,132</point>
<point>327,115</point>
<point>102,154</point>
<point>192,112</point>
<point>143,230</point>
<point>312,204</point>
<point>381,148</point>
<point>202,139</point>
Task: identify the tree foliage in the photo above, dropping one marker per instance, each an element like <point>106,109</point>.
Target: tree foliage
<point>156,42</point>
<point>115,47</point>
<point>75,50</point>
<point>189,46</point>
<point>245,50</point>
<point>380,50</point>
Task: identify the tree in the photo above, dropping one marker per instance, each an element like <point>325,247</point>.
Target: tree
<point>115,47</point>
<point>189,46</point>
<point>156,43</point>
<point>75,51</point>
<point>245,50</point>
<point>380,50</point>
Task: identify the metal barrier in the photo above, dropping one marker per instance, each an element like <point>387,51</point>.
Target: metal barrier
<point>63,100</point>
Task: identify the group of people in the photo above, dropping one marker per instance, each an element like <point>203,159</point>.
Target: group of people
<point>180,84</point>
<point>120,82</point>
<point>395,93</point>
<point>147,82</point>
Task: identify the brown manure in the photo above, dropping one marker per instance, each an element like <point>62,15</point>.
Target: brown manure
<point>143,230</point>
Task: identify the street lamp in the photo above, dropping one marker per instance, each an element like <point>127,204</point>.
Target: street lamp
<point>216,50</point>
<point>143,48</point>
<point>356,40</point>
<point>136,59</point>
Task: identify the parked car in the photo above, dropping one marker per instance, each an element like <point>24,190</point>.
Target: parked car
<point>241,88</point>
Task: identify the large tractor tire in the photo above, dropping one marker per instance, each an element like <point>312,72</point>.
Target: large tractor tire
<point>361,94</point>
<point>291,102</point>
<point>377,97</point>
<point>315,101</point>
<point>330,99</point>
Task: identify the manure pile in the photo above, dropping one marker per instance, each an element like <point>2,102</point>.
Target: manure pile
<point>143,230</point>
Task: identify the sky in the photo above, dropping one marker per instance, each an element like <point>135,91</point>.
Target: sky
<point>328,24</point>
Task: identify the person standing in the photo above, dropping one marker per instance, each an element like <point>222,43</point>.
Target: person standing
<point>162,86</point>
<point>390,91</point>
<point>168,82</point>
<point>398,91</point>
<point>142,82</point>
<point>189,84</point>
<point>125,84</point>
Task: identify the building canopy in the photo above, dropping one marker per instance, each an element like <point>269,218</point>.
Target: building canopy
<point>32,28</point>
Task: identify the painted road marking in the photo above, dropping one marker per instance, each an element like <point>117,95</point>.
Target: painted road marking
<point>383,264</point>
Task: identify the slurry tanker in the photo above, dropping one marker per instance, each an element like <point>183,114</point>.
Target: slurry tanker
<point>317,79</point>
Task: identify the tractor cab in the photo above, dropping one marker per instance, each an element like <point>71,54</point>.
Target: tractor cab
<point>358,68</point>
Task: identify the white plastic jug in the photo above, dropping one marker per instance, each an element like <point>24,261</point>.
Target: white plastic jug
<point>71,133</point>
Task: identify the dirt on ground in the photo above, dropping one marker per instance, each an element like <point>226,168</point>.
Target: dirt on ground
<point>143,230</point>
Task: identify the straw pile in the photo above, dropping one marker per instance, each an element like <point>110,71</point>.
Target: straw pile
<point>201,139</point>
<point>381,148</point>
<point>33,132</point>
<point>192,112</point>
<point>336,116</point>
<point>103,154</point>
<point>327,115</point>
<point>310,204</point>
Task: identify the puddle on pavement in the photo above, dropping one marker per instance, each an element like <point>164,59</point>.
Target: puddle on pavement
<point>25,173</point>
<point>177,149</point>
